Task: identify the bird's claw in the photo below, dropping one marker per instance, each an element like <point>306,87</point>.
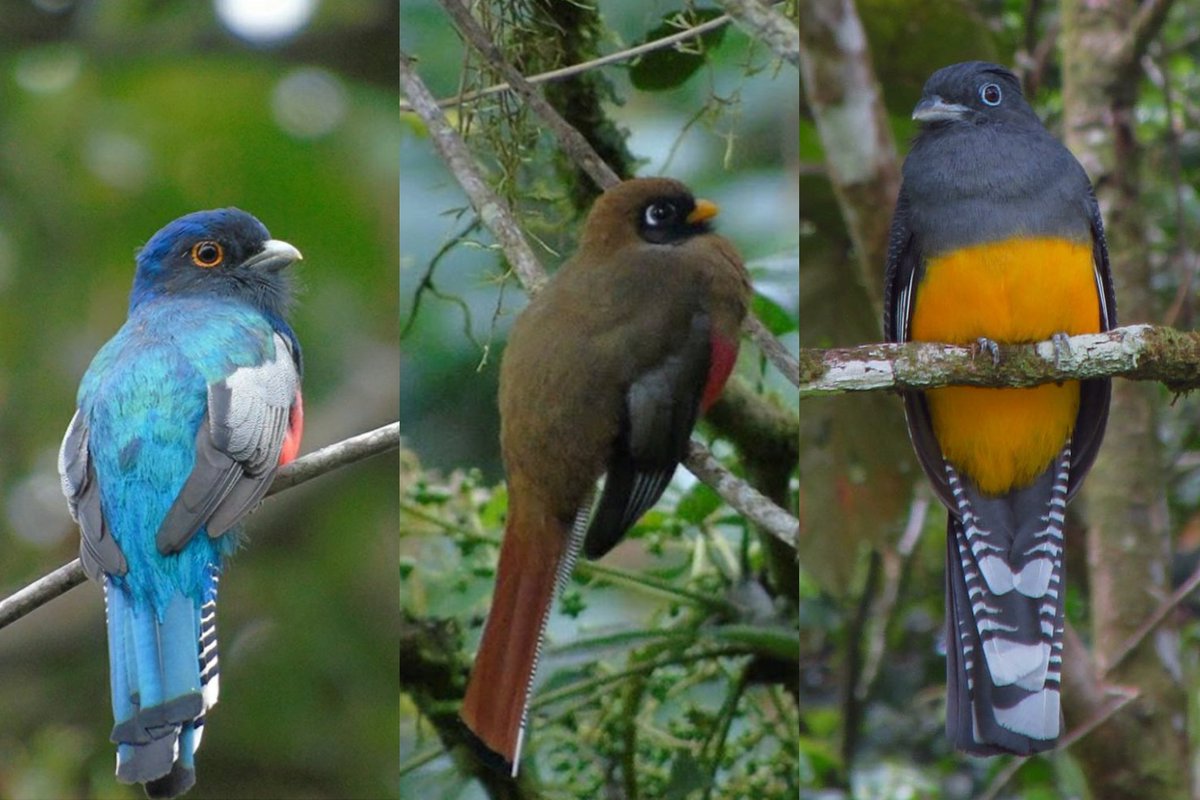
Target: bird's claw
<point>1062,347</point>
<point>985,344</point>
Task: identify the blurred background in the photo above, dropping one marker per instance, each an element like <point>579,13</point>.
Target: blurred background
<point>115,118</point>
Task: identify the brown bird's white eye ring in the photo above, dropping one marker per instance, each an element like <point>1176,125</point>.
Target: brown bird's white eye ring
<point>990,94</point>
<point>661,214</point>
<point>207,254</point>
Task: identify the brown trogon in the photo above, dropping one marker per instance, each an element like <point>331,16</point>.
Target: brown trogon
<point>997,238</point>
<point>604,373</point>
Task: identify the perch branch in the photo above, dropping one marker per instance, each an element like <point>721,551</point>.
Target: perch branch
<point>756,506</point>
<point>1138,352</point>
<point>327,459</point>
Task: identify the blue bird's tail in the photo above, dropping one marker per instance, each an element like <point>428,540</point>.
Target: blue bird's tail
<point>164,678</point>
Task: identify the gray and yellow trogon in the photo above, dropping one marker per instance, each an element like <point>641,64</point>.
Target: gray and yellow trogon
<point>997,238</point>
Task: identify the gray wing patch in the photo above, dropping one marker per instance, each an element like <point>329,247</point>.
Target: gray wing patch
<point>237,449</point>
<point>660,411</point>
<point>98,550</point>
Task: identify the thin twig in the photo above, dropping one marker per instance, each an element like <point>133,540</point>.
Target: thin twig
<point>756,506</point>
<point>768,26</point>
<point>584,66</point>
<point>327,459</point>
<point>894,559</point>
<point>570,140</point>
<point>1153,621</point>
<point>771,347</point>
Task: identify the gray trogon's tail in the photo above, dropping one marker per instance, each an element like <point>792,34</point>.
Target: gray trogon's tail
<point>1004,614</point>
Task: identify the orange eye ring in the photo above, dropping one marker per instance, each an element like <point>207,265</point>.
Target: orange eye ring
<point>207,254</point>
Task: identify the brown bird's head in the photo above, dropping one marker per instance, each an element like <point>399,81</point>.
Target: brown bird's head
<point>646,210</point>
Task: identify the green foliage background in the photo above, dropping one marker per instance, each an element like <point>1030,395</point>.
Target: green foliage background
<point>724,121</point>
<point>115,118</point>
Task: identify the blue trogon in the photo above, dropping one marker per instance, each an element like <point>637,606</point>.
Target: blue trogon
<point>183,418</point>
<point>997,237</point>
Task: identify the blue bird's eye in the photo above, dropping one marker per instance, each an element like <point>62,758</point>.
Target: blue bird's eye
<point>207,254</point>
<point>990,94</point>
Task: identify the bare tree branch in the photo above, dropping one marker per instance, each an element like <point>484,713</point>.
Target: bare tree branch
<point>491,209</point>
<point>756,506</point>
<point>327,459</point>
<point>1137,352</point>
<point>768,26</point>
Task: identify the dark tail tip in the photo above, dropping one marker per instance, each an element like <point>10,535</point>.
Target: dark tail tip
<point>173,784</point>
<point>486,755</point>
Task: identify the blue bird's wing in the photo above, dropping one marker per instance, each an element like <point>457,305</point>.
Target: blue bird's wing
<point>98,551</point>
<point>237,448</point>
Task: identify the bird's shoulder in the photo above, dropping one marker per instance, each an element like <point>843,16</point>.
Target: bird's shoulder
<point>184,340</point>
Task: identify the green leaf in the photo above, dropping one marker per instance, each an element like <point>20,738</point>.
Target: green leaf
<point>669,67</point>
<point>687,777</point>
<point>697,504</point>
<point>773,315</point>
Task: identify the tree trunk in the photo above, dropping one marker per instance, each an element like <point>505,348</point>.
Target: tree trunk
<point>1141,752</point>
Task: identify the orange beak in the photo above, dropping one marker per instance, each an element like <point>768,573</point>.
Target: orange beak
<point>704,210</point>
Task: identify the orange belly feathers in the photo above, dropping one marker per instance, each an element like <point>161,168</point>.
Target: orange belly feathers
<point>1018,290</point>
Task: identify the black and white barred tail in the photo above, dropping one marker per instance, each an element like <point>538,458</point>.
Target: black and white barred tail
<point>1004,610</point>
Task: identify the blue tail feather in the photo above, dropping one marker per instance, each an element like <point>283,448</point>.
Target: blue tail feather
<point>163,677</point>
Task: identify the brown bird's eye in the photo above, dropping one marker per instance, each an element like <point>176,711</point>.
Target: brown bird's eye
<point>660,214</point>
<point>207,254</point>
<point>990,94</point>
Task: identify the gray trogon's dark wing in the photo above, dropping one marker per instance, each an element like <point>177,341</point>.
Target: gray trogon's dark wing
<point>904,272</point>
<point>237,449</point>
<point>660,410</point>
<point>1094,394</point>
<point>98,550</point>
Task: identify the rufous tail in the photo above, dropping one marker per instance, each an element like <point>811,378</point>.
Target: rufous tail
<point>531,555</point>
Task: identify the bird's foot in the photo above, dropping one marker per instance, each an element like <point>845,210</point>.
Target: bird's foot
<point>986,345</point>
<point>1062,347</point>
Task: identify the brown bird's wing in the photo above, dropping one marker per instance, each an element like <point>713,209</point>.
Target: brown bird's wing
<point>660,410</point>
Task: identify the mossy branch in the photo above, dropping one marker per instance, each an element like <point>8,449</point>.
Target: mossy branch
<point>1137,352</point>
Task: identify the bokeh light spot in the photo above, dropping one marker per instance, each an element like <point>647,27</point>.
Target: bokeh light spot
<point>117,160</point>
<point>264,21</point>
<point>309,103</point>
<point>47,70</point>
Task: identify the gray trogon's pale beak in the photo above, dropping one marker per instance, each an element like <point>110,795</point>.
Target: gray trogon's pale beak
<point>935,109</point>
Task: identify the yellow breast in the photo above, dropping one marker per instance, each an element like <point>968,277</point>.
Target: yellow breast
<point>1018,290</point>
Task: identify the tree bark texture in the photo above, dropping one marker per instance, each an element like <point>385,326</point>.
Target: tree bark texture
<point>1141,752</point>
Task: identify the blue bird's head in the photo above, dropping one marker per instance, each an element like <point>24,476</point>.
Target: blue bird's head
<point>224,253</point>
